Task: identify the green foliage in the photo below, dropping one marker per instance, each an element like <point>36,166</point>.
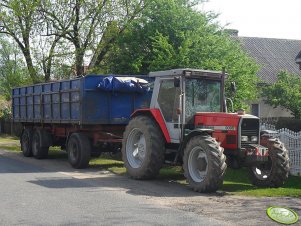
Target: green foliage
<point>13,72</point>
<point>131,37</point>
<point>171,34</point>
<point>5,108</point>
<point>289,123</point>
<point>72,32</point>
<point>17,20</point>
<point>286,93</point>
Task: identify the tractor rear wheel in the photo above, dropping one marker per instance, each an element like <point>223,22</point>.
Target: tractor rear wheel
<point>274,172</point>
<point>143,148</point>
<point>26,142</point>
<point>204,164</point>
<point>79,150</point>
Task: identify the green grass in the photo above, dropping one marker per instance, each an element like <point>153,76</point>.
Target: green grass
<point>8,138</point>
<point>10,148</point>
<point>10,143</point>
<point>114,166</point>
<point>235,181</point>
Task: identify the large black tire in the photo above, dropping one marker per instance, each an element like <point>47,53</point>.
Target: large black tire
<point>79,150</point>
<point>26,142</point>
<point>40,143</point>
<point>275,171</point>
<point>144,133</point>
<point>204,163</point>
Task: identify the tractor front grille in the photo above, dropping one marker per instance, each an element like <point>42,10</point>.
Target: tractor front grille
<point>249,128</point>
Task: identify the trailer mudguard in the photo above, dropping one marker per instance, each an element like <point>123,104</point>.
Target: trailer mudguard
<point>157,116</point>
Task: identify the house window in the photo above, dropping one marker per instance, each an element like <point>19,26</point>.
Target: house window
<point>255,109</point>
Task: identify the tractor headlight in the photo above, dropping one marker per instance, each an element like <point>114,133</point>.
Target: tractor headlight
<point>244,138</point>
<point>254,138</point>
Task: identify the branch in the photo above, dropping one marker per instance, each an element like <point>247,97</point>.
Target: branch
<point>12,34</point>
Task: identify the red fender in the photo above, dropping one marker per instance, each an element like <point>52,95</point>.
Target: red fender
<point>156,113</point>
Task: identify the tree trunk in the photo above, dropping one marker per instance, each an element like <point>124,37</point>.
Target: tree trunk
<point>79,60</point>
<point>48,64</point>
<point>106,42</point>
<point>30,67</point>
<point>79,52</point>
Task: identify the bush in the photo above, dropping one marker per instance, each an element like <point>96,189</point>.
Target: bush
<point>289,123</point>
<point>5,108</point>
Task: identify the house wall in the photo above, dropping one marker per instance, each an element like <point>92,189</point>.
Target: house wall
<point>268,111</point>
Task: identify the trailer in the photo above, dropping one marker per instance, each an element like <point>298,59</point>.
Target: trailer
<point>176,116</point>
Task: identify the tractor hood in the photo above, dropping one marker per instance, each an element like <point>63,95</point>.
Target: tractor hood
<point>219,121</point>
<point>228,127</point>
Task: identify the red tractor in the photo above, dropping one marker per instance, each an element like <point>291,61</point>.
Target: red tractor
<point>187,122</point>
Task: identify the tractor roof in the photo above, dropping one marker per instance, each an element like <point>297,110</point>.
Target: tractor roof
<point>186,71</point>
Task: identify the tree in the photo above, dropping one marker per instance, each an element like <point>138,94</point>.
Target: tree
<point>12,68</point>
<point>23,22</point>
<point>73,32</point>
<point>17,19</point>
<point>171,34</point>
<point>5,107</point>
<point>86,24</point>
<point>286,93</point>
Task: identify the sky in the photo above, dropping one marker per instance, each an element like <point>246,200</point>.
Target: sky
<point>259,18</point>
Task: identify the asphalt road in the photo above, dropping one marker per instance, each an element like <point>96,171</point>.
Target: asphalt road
<point>49,192</point>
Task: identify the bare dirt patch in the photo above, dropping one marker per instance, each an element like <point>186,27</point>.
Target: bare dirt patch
<point>235,210</point>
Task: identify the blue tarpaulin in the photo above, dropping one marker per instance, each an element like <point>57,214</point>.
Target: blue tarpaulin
<point>123,84</point>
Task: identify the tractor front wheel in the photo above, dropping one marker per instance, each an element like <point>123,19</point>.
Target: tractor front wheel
<point>204,164</point>
<point>143,148</point>
<point>274,172</point>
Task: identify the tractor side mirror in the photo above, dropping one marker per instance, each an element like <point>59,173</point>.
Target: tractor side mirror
<point>233,87</point>
<point>176,82</point>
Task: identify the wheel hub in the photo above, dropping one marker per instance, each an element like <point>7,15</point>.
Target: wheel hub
<point>25,142</point>
<point>73,152</point>
<point>197,164</point>
<point>135,148</point>
<point>35,144</point>
<point>263,172</point>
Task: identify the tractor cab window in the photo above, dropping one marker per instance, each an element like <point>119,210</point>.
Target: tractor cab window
<point>168,100</point>
<point>202,96</point>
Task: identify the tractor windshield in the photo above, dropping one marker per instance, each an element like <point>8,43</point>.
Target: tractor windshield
<point>202,95</point>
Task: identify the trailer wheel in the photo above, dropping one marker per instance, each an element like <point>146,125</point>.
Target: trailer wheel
<point>204,164</point>
<point>143,148</point>
<point>275,171</point>
<point>40,144</point>
<point>26,142</point>
<point>79,150</point>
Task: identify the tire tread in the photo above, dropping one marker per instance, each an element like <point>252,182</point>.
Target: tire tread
<point>154,163</point>
<point>217,163</point>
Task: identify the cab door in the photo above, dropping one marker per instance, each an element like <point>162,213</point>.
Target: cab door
<point>169,103</point>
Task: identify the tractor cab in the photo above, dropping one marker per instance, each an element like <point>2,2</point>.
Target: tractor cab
<point>181,93</point>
